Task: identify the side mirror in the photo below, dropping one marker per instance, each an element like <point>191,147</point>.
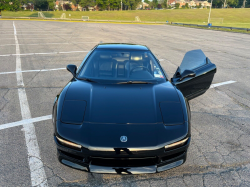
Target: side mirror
<point>72,69</point>
<point>187,73</point>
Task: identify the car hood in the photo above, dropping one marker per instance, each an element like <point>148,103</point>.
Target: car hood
<point>112,111</point>
<point>121,104</point>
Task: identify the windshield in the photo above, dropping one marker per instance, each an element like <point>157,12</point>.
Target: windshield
<point>122,66</point>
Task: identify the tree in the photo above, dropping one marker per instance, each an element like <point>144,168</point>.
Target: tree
<point>15,5</point>
<point>217,3</point>
<point>154,3</point>
<point>226,3</point>
<point>66,6</point>
<point>4,5</point>
<point>12,5</point>
<point>243,4</point>
<point>41,4</point>
<point>198,6</point>
<point>232,3</point>
<point>160,2</point>
<point>73,2</point>
<point>165,4</point>
<point>102,4</point>
<point>60,6</point>
<point>114,4</point>
<point>51,4</point>
<point>248,4</point>
<point>177,5</point>
<point>30,6</point>
<point>26,2</point>
<point>150,3</point>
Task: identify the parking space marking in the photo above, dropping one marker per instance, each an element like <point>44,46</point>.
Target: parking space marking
<point>41,38</point>
<point>40,34</point>
<point>222,83</point>
<point>49,43</point>
<point>37,172</point>
<point>26,54</point>
<point>36,70</point>
<point>25,121</point>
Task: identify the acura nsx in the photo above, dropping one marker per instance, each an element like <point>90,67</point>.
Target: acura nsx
<point>120,113</point>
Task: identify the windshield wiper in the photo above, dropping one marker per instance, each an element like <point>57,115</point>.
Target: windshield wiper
<point>134,82</point>
<point>86,79</point>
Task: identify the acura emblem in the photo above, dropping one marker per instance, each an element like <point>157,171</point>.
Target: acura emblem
<point>124,139</point>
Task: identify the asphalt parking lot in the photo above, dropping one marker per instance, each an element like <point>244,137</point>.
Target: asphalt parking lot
<point>33,57</point>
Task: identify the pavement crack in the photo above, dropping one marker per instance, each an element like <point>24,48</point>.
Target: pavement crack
<point>6,100</point>
<point>228,118</point>
<point>243,105</point>
<point>53,173</point>
<point>32,78</point>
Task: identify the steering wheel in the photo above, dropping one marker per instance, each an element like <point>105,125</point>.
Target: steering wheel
<point>143,67</point>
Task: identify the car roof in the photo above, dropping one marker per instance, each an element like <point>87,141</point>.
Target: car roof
<point>122,46</point>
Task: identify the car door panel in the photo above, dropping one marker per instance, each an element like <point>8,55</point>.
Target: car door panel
<point>204,70</point>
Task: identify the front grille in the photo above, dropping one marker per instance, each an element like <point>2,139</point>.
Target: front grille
<point>124,162</point>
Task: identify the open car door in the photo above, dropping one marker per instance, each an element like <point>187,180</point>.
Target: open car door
<point>195,74</point>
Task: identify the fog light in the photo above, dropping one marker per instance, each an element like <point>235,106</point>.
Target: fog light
<point>69,144</point>
<point>176,144</point>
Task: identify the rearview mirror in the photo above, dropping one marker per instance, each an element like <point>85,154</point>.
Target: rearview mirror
<point>72,69</point>
<point>187,73</point>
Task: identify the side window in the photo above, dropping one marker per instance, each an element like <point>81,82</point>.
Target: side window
<point>192,60</point>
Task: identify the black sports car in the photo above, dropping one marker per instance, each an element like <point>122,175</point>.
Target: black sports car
<point>121,114</point>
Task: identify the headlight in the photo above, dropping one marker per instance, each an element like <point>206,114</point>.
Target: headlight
<point>176,144</point>
<point>69,144</point>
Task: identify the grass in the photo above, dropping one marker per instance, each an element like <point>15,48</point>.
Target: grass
<point>218,29</point>
<point>232,17</point>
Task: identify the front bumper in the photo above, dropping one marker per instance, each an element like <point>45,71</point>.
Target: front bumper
<point>122,162</point>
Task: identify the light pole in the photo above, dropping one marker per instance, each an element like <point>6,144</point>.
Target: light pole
<point>121,5</point>
<point>208,21</point>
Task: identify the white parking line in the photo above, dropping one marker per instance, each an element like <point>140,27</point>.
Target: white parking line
<point>35,38</point>
<point>222,83</point>
<point>25,121</point>
<point>37,172</point>
<point>26,54</point>
<point>43,118</point>
<point>41,34</point>
<point>50,43</point>
<point>37,31</point>
<point>36,70</point>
